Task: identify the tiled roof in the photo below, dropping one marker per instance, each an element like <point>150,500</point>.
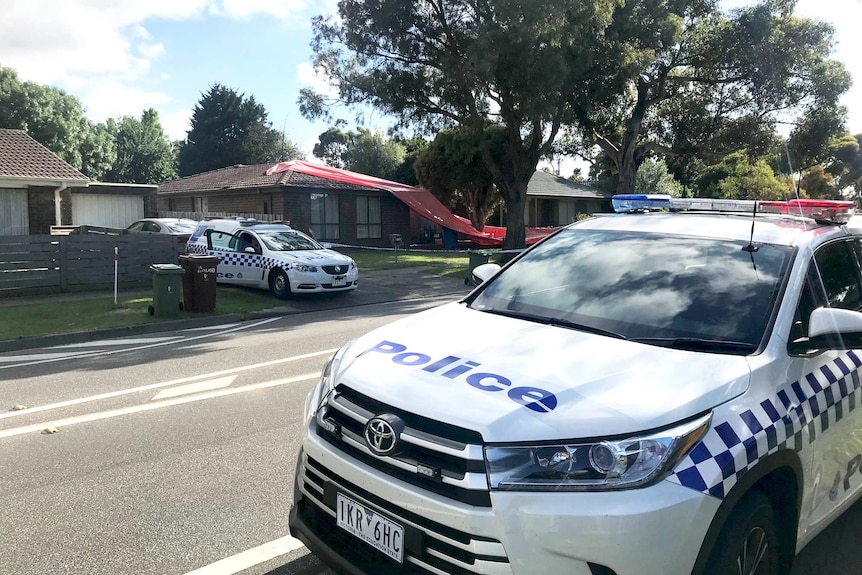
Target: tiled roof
<point>244,177</point>
<point>545,184</point>
<point>23,157</point>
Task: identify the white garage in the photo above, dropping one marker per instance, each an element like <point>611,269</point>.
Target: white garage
<point>106,210</point>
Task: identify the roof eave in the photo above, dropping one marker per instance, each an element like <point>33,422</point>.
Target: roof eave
<point>22,182</point>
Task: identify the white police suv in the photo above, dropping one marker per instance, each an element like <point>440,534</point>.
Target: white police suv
<point>272,256</point>
<point>668,390</point>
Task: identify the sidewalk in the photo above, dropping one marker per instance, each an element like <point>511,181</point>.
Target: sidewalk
<point>377,286</point>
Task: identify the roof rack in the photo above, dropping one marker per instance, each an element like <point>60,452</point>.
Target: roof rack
<point>826,211</point>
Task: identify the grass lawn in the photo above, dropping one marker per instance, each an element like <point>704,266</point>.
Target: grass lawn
<point>87,312</point>
<point>442,263</point>
<point>94,312</point>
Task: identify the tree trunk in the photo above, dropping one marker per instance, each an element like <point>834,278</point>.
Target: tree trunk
<point>515,197</point>
<point>627,173</point>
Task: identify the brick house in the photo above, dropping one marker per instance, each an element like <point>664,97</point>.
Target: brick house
<point>555,201</point>
<point>39,190</point>
<point>330,210</point>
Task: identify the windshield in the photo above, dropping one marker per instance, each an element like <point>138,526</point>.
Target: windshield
<point>286,241</point>
<point>681,292</point>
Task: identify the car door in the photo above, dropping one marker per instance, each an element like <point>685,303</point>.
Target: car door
<point>827,391</point>
<point>223,245</point>
<point>248,259</point>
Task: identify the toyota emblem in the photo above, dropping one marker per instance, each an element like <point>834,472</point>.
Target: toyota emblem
<point>382,433</point>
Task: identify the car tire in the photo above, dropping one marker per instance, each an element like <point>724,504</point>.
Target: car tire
<point>279,285</point>
<point>749,543</point>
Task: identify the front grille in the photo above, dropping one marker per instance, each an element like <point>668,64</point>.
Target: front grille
<point>342,269</point>
<point>430,547</point>
<point>435,456</point>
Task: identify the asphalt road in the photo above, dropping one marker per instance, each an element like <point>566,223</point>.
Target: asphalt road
<point>174,453</point>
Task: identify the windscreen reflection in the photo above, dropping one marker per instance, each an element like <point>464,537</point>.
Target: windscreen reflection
<point>288,241</point>
<point>644,285</point>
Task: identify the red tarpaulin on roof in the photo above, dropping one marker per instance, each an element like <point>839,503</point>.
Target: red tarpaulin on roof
<point>420,200</point>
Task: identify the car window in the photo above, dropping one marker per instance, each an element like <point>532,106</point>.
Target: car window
<point>221,241</point>
<point>832,280</point>
<point>151,227</point>
<point>246,240</point>
<point>644,286</point>
<point>136,227</point>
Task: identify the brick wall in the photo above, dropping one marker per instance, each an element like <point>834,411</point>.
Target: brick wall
<point>40,209</point>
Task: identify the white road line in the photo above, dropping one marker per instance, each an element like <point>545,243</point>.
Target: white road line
<point>121,392</point>
<point>110,342</point>
<point>69,421</point>
<point>211,327</point>
<point>198,387</point>
<point>46,357</point>
<point>137,348</point>
<point>250,558</point>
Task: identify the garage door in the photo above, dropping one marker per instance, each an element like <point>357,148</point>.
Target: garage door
<point>14,220</point>
<point>106,210</point>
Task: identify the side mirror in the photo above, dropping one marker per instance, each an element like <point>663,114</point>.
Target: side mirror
<point>326,245</point>
<point>485,272</point>
<point>833,328</point>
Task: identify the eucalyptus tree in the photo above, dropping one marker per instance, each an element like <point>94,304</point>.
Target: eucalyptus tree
<point>698,83</point>
<point>436,64</point>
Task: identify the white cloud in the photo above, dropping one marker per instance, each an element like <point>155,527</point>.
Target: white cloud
<point>176,124</point>
<point>110,99</point>
<point>320,83</point>
<point>245,8</point>
<point>103,50</point>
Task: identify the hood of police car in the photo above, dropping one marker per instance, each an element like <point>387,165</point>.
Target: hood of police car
<point>514,380</point>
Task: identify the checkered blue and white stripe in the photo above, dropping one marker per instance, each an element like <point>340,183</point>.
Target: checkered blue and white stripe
<point>238,258</point>
<point>792,419</point>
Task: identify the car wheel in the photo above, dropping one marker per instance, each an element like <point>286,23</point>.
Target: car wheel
<point>749,542</point>
<point>279,284</point>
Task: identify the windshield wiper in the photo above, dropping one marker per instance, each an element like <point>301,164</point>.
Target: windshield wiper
<point>697,344</point>
<point>555,321</point>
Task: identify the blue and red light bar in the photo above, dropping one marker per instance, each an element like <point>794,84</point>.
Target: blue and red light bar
<point>832,211</point>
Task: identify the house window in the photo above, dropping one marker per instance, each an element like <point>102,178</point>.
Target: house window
<point>200,203</point>
<point>324,216</point>
<point>368,217</point>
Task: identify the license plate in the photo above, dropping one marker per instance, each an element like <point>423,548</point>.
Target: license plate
<point>338,281</point>
<point>380,532</point>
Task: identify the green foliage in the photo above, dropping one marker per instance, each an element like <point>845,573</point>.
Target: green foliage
<point>844,161</point>
<point>98,152</point>
<point>689,82</point>
<point>653,177</point>
<point>226,129</point>
<point>374,154</point>
<point>817,183</point>
<point>332,146</point>
<point>737,178</point>
<point>144,153</point>
<point>51,116</point>
<point>452,169</point>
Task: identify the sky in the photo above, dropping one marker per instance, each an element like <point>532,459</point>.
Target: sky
<point>120,57</point>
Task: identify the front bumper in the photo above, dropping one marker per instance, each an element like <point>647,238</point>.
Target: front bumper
<point>316,282</point>
<point>656,530</point>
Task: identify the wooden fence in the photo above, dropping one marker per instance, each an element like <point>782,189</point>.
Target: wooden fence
<point>52,264</point>
<point>198,216</point>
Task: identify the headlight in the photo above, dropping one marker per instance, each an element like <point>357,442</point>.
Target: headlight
<point>352,264</point>
<point>304,268</point>
<point>320,393</point>
<point>593,466</point>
